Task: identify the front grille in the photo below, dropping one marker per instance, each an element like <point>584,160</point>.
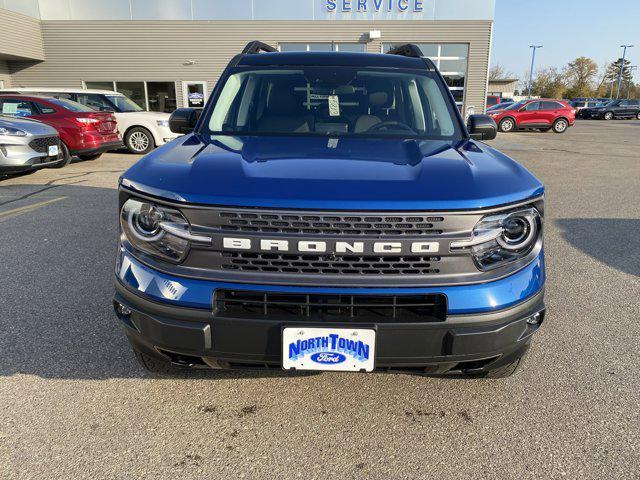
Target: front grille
<point>333,224</point>
<point>331,308</point>
<point>316,264</point>
<point>41,145</point>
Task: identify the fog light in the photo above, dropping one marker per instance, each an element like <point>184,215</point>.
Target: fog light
<point>122,310</point>
<point>534,319</point>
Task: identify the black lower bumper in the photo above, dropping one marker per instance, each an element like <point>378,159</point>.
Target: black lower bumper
<point>469,343</point>
<point>105,147</point>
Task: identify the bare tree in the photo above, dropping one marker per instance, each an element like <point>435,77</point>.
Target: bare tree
<point>498,72</point>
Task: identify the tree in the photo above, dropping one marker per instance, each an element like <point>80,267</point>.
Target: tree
<point>611,76</point>
<point>498,72</point>
<point>579,76</point>
<point>549,83</point>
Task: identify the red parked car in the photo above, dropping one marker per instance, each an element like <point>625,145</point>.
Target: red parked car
<point>541,114</point>
<point>84,132</point>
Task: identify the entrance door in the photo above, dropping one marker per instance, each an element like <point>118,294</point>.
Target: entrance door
<point>194,94</point>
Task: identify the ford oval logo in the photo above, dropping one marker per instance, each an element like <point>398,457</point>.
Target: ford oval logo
<point>328,358</point>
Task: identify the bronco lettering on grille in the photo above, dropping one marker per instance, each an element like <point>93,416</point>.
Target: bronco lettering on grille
<point>327,246</point>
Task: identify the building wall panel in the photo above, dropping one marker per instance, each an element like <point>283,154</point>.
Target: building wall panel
<point>160,50</point>
<point>20,36</point>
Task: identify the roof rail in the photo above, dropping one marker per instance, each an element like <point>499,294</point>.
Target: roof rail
<point>412,50</point>
<point>257,47</point>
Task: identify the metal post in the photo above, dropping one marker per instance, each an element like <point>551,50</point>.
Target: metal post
<point>533,59</point>
<point>624,56</point>
<point>631,69</point>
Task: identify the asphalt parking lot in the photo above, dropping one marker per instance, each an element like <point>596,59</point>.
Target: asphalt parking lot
<point>75,404</point>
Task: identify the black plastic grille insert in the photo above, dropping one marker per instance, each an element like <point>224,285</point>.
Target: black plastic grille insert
<point>292,307</point>
<point>330,224</point>
<point>42,144</point>
<point>335,265</point>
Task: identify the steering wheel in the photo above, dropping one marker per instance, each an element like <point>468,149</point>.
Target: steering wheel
<point>391,125</point>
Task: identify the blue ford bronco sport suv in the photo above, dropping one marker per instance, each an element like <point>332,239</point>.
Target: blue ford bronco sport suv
<point>331,211</point>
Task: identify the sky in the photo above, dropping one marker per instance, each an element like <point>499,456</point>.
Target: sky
<point>567,29</point>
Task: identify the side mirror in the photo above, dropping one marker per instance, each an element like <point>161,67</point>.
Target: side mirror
<point>183,120</point>
<point>482,127</point>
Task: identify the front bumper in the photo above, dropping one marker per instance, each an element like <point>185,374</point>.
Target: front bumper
<point>164,135</point>
<point>161,318</point>
<point>20,157</point>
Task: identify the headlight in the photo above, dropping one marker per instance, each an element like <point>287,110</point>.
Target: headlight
<point>163,123</point>
<point>12,132</point>
<point>503,238</point>
<point>155,230</point>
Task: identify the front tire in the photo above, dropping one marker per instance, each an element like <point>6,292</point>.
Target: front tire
<point>608,116</point>
<point>139,140</point>
<point>507,370</point>
<point>560,125</point>
<point>152,364</point>
<point>638,116</point>
<point>66,157</point>
<point>506,125</point>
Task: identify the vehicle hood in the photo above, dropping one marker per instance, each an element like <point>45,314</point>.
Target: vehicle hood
<point>32,127</point>
<point>330,173</point>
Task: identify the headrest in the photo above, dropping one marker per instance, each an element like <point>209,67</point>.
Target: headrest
<point>281,100</point>
<point>380,94</point>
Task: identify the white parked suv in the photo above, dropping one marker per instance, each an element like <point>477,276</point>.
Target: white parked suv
<point>141,131</point>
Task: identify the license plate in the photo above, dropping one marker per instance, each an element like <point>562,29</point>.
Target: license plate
<point>334,349</point>
<point>53,150</point>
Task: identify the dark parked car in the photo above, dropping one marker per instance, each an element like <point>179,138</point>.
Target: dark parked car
<point>614,109</point>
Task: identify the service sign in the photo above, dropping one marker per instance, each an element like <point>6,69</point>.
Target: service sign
<point>334,349</point>
<point>375,6</point>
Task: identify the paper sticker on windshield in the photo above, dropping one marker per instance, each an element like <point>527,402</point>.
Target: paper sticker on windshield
<point>334,105</point>
<point>10,108</point>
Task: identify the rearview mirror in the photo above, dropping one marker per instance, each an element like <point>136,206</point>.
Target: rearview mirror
<point>183,120</point>
<point>482,127</point>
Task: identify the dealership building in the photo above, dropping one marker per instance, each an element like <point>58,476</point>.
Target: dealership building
<point>168,53</point>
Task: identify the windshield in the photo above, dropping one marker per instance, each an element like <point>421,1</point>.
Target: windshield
<point>611,104</point>
<point>124,104</point>
<point>331,101</point>
<point>70,105</point>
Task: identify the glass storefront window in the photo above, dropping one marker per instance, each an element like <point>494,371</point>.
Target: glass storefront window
<point>133,90</point>
<point>459,50</point>
<point>293,47</point>
<point>323,47</point>
<point>454,80</point>
<point>454,66</point>
<point>156,97</point>
<point>99,85</point>
<point>451,59</point>
<point>320,47</point>
<point>351,47</point>
<point>161,96</point>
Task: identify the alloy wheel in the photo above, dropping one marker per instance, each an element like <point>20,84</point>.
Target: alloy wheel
<point>560,126</point>
<point>507,125</point>
<point>139,141</point>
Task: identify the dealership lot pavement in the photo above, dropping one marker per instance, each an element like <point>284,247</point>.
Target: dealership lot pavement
<point>74,403</point>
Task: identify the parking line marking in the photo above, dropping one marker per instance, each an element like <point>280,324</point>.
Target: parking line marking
<point>28,208</point>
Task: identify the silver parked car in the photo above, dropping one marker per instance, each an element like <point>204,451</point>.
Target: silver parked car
<point>27,145</point>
